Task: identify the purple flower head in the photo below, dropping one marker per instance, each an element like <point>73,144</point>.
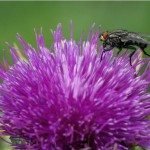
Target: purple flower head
<point>65,98</point>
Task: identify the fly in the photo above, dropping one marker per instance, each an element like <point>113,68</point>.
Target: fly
<point>124,39</point>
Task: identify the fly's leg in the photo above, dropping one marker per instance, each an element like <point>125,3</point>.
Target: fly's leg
<point>104,52</point>
<point>131,54</point>
<point>118,52</point>
<point>145,52</point>
<point>131,57</point>
<point>142,47</point>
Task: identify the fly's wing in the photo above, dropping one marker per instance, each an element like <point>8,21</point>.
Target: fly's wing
<point>126,36</point>
<point>136,37</point>
<point>142,34</point>
<point>126,32</point>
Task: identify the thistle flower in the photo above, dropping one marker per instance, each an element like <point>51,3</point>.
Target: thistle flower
<point>66,99</point>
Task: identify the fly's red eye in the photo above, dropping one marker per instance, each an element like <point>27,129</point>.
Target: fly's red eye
<point>105,35</point>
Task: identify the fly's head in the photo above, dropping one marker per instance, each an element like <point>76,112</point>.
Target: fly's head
<point>104,36</point>
<point>108,45</point>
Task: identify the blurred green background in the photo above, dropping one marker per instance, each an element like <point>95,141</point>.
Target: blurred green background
<point>23,17</point>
